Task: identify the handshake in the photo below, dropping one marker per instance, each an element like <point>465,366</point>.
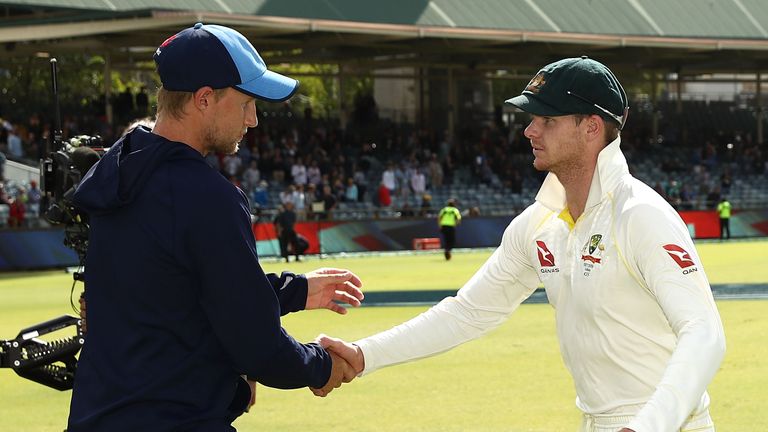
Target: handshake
<point>348,362</point>
<point>326,288</point>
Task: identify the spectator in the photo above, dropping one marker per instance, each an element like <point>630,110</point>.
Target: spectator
<point>310,194</point>
<point>725,182</point>
<point>251,177</point>
<point>425,209</point>
<point>5,206</point>
<point>278,173</point>
<point>403,183</point>
<point>314,176</point>
<point>300,202</point>
<point>673,194</point>
<point>435,171</point>
<point>351,191</point>
<point>15,147</point>
<point>686,198</point>
<point>361,181</point>
<point>244,152</point>
<point>388,178</point>
<point>288,195</point>
<point>384,195</point>
<point>232,165</point>
<point>329,202</point>
<point>2,166</point>
<point>406,211</point>
<point>339,189</point>
<point>261,195</point>
<point>34,196</point>
<point>299,171</point>
<point>713,197</point>
<point>17,211</point>
<point>418,182</point>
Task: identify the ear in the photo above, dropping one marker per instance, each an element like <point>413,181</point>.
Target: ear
<point>595,126</point>
<point>202,98</point>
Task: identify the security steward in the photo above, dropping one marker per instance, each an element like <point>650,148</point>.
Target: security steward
<point>447,220</point>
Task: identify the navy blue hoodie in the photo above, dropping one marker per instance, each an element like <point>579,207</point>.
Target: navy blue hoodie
<point>178,306</point>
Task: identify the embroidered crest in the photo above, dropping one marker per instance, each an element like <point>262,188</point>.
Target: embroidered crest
<point>534,86</point>
<point>593,242</point>
<point>591,253</point>
<point>159,49</point>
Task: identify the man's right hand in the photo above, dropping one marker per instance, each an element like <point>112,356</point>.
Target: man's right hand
<point>341,372</point>
<point>350,352</point>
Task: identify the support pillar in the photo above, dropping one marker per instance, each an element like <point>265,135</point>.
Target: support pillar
<point>108,88</point>
<point>759,108</point>
<point>654,104</point>
<point>452,109</point>
<point>343,115</point>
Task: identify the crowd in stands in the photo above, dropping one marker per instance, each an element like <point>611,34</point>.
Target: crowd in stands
<point>382,168</point>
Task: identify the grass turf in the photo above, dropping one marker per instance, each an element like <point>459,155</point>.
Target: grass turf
<point>725,262</point>
<point>510,380</point>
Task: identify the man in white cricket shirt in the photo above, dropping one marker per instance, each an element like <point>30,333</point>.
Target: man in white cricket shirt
<point>638,327</point>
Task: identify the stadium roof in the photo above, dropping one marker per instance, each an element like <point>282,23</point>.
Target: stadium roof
<point>686,36</point>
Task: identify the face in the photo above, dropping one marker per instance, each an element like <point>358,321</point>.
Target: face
<point>234,112</point>
<point>559,144</point>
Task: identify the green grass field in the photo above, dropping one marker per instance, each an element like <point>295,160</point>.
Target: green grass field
<point>510,380</point>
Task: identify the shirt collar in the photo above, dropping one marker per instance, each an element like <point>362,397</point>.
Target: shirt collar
<point>611,166</point>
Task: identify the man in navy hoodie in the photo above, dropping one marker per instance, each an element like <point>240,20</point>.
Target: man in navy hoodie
<point>179,309</point>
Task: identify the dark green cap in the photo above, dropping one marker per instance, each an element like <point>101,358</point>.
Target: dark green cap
<point>575,86</point>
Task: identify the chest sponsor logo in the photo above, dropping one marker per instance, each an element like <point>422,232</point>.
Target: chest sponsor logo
<point>590,258</point>
<point>680,255</point>
<point>546,258</point>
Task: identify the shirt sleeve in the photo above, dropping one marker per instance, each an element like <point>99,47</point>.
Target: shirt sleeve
<point>291,290</point>
<point>669,265</point>
<point>482,304</point>
<point>240,301</point>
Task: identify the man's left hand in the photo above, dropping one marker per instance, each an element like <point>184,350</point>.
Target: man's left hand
<point>328,284</point>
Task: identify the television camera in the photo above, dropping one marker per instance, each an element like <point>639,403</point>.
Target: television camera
<point>53,363</point>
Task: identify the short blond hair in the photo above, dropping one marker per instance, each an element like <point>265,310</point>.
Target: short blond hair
<point>173,102</point>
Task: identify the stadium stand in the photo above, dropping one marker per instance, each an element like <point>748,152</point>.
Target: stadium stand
<point>709,153</point>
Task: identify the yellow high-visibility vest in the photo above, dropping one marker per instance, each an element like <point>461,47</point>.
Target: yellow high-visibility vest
<point>449,216</point>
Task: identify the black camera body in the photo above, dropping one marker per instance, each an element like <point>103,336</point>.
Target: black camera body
<point>53,362</point>
<point>60,174</point>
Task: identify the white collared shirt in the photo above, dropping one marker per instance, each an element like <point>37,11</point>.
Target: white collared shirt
<point>637,324</point>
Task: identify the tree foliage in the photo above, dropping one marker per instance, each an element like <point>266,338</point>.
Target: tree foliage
<point>26,89</point>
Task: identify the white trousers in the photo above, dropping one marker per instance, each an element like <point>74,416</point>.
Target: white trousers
<point>700,422</point>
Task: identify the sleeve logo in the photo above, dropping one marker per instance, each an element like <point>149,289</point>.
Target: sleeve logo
<point>546,259</point>
<point>681,257</point>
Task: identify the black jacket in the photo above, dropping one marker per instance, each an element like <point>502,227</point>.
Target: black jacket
<point>178,306</point>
